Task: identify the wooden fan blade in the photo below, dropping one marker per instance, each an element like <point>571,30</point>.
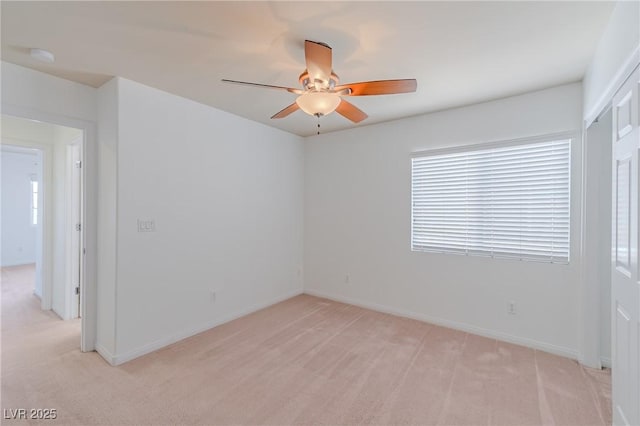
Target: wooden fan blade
<point>318,59</point>
<point>265,86</point>
<point>288,110</point>
<point>350,111</point>
<point>380,87</point>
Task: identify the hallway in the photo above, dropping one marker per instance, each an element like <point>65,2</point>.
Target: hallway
<point>31,340</point>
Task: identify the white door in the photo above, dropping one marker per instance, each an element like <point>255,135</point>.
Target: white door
<point>625,296</point>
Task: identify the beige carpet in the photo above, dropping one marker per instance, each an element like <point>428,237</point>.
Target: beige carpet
<point>303,361</point>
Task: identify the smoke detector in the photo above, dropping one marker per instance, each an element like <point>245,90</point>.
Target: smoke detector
<point>42,55</point>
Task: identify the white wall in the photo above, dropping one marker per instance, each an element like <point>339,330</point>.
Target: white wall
<point>596,297</point>
<point>604,257</point>
<point>107,215</point>
<point>618,47</point>
<point>18,233</point>
<point>25,88</point>
<point>357,223</point>
<point>226,195</point>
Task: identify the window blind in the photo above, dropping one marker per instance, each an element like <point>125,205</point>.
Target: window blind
<point>504,201</point>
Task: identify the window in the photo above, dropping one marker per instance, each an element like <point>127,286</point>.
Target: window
<point>507,200</point>
<point>34,201</point>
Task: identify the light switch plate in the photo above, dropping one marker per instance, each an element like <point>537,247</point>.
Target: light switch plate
<point>146,225</point>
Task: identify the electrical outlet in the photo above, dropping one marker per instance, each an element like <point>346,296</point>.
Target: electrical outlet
<point>511,308</point>
<point>146,225</point>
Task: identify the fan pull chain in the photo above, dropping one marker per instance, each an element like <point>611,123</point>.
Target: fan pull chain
<point>318,115</point>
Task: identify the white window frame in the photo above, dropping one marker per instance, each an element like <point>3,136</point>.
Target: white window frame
<point>571,136</point>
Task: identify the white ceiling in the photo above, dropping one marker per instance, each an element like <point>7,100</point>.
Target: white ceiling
<point>460,52</point>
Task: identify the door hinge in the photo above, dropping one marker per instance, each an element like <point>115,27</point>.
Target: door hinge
<point>78,164</point>
<point>77,291</point>
<point>78,227</point>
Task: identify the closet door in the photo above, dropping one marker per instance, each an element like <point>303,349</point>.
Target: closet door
<point>625,295</point>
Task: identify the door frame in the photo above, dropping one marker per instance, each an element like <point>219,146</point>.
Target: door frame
<point>587,354</point>
<point>88,298</point>
<point>594,193</point>
<point>604,100</point>
<point>73,201</point>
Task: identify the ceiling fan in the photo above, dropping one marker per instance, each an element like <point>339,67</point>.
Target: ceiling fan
<point>321,93</point>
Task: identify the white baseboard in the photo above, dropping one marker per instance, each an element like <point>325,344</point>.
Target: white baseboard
<point>21,263</point>
<point>498,335</point>
<point>108,356</point>
<point>151,347</point>
<point>61,316</point>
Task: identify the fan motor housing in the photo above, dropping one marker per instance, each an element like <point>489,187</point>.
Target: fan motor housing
<point>316,84</point>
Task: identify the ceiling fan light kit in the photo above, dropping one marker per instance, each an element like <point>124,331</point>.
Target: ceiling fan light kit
<point>321,94</point>
<point>318,103</point>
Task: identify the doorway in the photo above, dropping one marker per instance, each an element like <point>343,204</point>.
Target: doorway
<point>22,215</point>
<point>56,194</point>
